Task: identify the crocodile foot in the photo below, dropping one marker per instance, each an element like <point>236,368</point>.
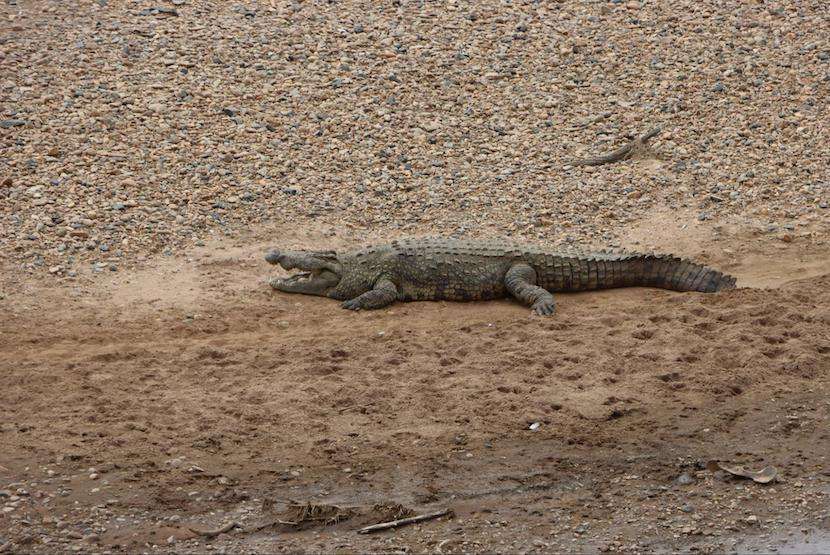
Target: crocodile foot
<point>544,307</point>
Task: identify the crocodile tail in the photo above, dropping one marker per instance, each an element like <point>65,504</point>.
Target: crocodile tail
<point>677,274</point>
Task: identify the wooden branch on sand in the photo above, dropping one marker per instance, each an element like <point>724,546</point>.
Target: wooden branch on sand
<point>403,521</point>
<point>620,154</point>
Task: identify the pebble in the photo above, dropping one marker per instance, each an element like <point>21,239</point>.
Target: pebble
<point>684,479</point>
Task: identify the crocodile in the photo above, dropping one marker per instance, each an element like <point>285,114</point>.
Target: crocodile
<point>437,268</point>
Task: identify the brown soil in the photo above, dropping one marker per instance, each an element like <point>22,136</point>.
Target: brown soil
<point>195,397</point>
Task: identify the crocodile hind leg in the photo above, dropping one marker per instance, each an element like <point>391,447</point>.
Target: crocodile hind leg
<point>383,294</point>
<point>520,280</point>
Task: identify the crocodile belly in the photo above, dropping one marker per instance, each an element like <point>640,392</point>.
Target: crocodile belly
<point>451,283</point>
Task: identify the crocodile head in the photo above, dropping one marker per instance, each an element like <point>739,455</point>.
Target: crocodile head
<point>319,271</point>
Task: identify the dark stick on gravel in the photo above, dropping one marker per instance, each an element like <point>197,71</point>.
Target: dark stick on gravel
<point>620,154</point>
<point>403,521</point>
<point>213,533</point>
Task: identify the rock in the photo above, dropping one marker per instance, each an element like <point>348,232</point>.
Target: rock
<point>684,479</point>
<point>9,123</point>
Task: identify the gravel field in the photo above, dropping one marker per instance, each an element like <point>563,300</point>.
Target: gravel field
<point>154,389</point>
<point>133,128</point>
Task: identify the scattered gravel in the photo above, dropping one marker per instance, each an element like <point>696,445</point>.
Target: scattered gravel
<point>129,128</point>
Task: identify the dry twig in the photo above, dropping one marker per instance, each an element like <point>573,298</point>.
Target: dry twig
<point>403,521</point>
<point>620,154</point>
<point>213,533</point>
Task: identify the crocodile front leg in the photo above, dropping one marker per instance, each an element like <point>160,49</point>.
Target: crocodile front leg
<point>520,280</point>
<point>383,294</point>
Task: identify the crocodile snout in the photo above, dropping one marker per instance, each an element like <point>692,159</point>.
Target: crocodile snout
<point>273,257</point>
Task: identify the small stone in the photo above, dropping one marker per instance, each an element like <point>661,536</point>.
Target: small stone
<point>94,476</point>
<point>751,519</point>
<point>684,479</point>
<point>718,87</point>
<point>9,123</point>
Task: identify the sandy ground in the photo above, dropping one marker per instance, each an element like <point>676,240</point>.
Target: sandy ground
<point>187,394</point>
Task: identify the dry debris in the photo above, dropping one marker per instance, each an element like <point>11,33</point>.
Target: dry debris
<point>763,476</point>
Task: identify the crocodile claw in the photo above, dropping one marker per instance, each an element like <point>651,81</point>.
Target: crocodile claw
<point>544,308</point>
